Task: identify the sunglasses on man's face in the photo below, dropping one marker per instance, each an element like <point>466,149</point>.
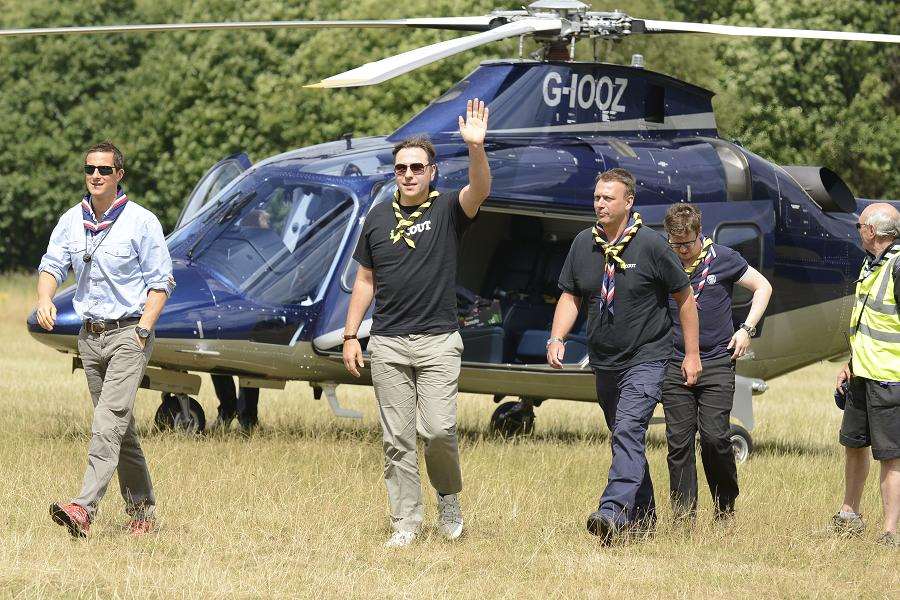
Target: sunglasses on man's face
<point>416,168</point>
<point>103,169</point>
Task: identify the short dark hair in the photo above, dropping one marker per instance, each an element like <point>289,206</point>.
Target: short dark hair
<point>417,141</point>
<point>108,146</point>
<point>682,219</point>
<point>620,175</point>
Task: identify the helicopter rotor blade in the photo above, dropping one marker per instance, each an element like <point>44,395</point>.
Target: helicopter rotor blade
<point>651,26</point>
<point>388,68</point>
<point>451,23</point>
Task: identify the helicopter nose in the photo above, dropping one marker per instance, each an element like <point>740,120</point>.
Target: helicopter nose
<point>64,334</point>
<point>192,299</point>
<point>67,321</point>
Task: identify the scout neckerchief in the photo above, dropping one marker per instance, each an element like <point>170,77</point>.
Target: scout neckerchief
<point>401,229</point>
<point>109,217</point>
<point>92,227</point>
<point>706,256</point>
<point>612,250</point>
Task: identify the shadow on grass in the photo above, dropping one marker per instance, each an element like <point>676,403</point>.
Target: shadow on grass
<point>791,448</point>
<point>349,432</point>
<point>371,434</point>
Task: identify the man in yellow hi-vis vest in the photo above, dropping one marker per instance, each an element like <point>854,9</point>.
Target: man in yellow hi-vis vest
<point>872,408</point>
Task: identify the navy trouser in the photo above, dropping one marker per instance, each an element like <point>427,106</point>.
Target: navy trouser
<point>628,398</point>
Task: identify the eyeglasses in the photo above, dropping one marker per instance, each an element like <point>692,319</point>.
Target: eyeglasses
<point>103,169</point>
<point>416,168</point>
<point>685,245</point>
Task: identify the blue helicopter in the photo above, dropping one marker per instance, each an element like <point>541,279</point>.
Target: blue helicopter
<point>262,251</point>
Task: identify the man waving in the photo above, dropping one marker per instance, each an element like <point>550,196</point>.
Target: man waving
<point>407,254</point>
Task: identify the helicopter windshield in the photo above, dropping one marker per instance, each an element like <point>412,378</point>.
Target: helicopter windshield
<point>279,247</point>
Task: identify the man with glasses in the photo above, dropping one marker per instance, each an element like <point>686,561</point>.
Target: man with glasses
<point>870,382</point>
<point>123,277</point>
<point>407,254</point>
<point>626,273</point>
<point>713,271</point>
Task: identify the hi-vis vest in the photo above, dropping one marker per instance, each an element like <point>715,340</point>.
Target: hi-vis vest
<point>875,324</point>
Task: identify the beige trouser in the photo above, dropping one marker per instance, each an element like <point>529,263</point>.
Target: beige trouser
<point>417,375</point>
<point>114,364</point>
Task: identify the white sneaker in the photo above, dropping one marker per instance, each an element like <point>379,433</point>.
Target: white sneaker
<point>450,520</point>
<point>400,539</point>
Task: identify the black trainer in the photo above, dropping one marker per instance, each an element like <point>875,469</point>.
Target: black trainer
<point>602,526</point>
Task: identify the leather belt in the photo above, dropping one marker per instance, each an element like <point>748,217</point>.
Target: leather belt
<point>98,326</point>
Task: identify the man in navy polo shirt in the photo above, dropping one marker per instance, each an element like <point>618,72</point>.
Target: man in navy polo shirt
<point>627,273</point>
<point>713,270</point>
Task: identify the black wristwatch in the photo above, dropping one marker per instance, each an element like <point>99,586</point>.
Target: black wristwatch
<point>142,332</point>
<point>750,329</point>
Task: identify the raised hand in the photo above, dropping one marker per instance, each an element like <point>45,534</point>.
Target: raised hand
<point>474,127</point>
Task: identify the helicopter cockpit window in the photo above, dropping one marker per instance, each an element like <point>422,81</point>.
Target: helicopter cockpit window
<point>279,248</point>
<point>382,194</point>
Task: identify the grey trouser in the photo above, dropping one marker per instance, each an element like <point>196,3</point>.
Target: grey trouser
<point>114,365</point>
<point>417,376</point>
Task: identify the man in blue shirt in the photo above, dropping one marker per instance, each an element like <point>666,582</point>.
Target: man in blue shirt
<point>123,277</point>
<point>713,270</point>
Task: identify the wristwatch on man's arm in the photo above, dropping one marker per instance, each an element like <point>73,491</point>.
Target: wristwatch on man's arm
<point>750,329</point>
<point>143,332</point>
<point>555,339</point>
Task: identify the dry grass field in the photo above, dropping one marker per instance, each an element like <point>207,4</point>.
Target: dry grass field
<point>299,509</point>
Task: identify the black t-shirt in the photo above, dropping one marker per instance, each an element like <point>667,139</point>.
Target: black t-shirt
<point>713,304</point>
<point>641,328</point>
<point>415,288</point>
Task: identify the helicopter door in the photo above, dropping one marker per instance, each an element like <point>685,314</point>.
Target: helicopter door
<point>213,181</point>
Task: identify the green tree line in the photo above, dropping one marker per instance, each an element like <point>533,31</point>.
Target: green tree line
<point>178,102</point>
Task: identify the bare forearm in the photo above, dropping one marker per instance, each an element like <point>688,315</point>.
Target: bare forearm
<point>479,173</point>
<point>46,286</point>
<point>360,300</point>
<point>156,300</point>
<point>690,325</point>
<point>758,305</point>
<point>565,315</point>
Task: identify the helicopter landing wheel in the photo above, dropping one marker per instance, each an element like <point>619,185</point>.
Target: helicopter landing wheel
<point>512,419</point>
<point>180,412</point>
<point>741,443</point>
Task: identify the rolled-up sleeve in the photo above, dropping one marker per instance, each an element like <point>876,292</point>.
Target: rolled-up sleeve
<point>156,264</point>
<point>58,258</point>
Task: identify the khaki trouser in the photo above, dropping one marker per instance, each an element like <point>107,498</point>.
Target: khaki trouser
<point>417,376</point>
<point>114,365</point>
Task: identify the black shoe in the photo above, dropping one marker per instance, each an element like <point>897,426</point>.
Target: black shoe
<point>222,422</point>
<point>723,517</point>
<point>247,426</point>
<point>602,526</point>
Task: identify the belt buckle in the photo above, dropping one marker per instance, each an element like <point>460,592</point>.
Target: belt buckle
<point>97,327</point>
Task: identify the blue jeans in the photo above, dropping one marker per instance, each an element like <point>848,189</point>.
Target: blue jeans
<point>628,398</point>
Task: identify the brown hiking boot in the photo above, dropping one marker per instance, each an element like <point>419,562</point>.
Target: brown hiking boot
<point>72,516</point>
<point>141,526</point>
